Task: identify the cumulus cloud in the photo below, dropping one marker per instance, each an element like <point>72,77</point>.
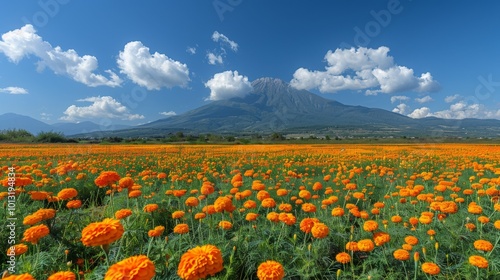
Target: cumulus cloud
<point>216,37</point>
<point>168,114</point>
<point>152,71</point>
<point>401,109</point>
<point>458,110</point>
<point>14,90</point>
<point>101,107</point>
<point>214,59</point>
<point>424,99</point>
<point>451,98</point>
<point>24,42</point>
<point>399,98</point>
<point>372,70</point>
<point>228,84</point>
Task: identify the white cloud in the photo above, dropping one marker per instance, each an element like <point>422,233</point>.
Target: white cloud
<point>363,69</point>
<point>399,98</point>
<point>401,109</point>
<point>191,50</point>
<point>23,42</point>
<point>420,113</point>
<point>451,98</point>
<point>458,110</point>
<point>214,59</point>
<point>152,71</point>
<point>424,99</point>
<point>228,84</point>
<point>101,107</point>
<point>45,116</point>
<point>14,90</point>
<point>216,36</point>
<point>169,113</point>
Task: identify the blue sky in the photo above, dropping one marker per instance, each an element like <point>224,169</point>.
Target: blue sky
<point>132,62</point>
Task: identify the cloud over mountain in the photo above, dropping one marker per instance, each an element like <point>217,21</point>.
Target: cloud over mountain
<point>101,107</point>
<point>372,70</point>
<point>228,84</point>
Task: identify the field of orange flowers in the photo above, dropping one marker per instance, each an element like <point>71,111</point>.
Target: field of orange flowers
<point>427,211</point>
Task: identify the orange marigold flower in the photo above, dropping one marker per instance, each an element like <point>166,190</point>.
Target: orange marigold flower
<point>32,219</point>
<point>178,214</point>
<point>207,188</point>
<point>192,201</point>
<point>102,233</point>
<point>223,204</point>
<point>200,262</point>
<point>126,182</point>
<point>497,224</point>
<point>25,276</point>
<point>199,216</point>
<point>352,246</point>
<point>474,208</point>
<point>396,219</point>
<point>39,195</point>
<point>149,208</point>
<point>401,255</point>
<point>74,204</point>
<point>483,245</point>
<point>430,268</point>
<point>157,231</point>
<point>412,240</point>
<point>62,275</point>
<point>123,213</point>
<point>287,218</point>
<point>365,245</point>
<point>268,203</point>
<point>251,216</point>
<point>134,193</point>
<point>181,229</point>
<point>225,225</point>
<point>67,193</point>
<point>320,230</point>
<point>307,223</point>
<point>17,250</point>
<point>34,233</point>
<point>478,261</point>
<point>483,219</point>
<point>308,207</point>
<point>285,207</point>
<point>338,212</point>
<point>470,226</point>
<point>273,217</point>
<point>370,225</point>
<point>106,178</point>
<point>305,194</point>
<point>133,268</point>
<point>381,238</point>
<point>270,270</point>
<point>343,257</point>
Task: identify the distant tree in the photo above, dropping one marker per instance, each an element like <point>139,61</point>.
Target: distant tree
<point>50,137</point>
<point>277,136</point>
<point>327,137</point>
<point>16,135</point>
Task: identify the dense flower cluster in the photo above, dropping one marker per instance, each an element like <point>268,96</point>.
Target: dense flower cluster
<point>200,262</point>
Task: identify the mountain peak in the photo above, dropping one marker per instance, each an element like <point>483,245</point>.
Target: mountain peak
<point>268,84</point>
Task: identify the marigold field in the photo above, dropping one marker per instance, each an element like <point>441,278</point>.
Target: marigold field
<point>343,211</point>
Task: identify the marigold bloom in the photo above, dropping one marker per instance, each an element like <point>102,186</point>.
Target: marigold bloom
<point>412,240</point>
<point>251,216</point>
<point>126,183</point>
<point>285,207</point>
<point>307,223</point>
<point>17,249</point>
<point>74,204</point>
<point>430,268</point>
<point>478,261</point>
<point>270,270</point>
<point>207,189</point>
<point>320,230</point>
<point>123,213</point>
<point>225,225</point>
<point>483,219</point>
<point>474,208</point>
<point>34,233</point>
<point>287,218</point>
<point>343,257</point>
<point>199,216</point>
<point>268,203</point>
<point>470,226</point>
<point>181,229</point>
<point>352,246</point>
<point>67,193</point>
<point>192,201</point>
<point>133,268</point>
<point>497,224</point>
<point>483,245</point>
<point>149,208</point>
<point>401,255</point>
<point>396,219</point>
<point>134,193</point>
<point>273,217</point>
<point>32,219</point>
<point>365,245</point>
<point>177,214</point>
<point>308,207</point>
<point>157,231</point>
<point>381,238</point>
<point>305,194</point>
<point>223,204</point>
<point>102,233</point>
<point>370,225</point>
<point>39,195</point>
<point>62,275</point>
<point>338,212</point>
<point>106,178</point>
<point>200,262</point>
<point>25,276</point>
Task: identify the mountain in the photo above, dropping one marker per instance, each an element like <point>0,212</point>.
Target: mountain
<point>15,121</point>
<point>274,105</point>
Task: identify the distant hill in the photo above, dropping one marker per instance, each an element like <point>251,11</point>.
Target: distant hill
<point>16,121</point>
